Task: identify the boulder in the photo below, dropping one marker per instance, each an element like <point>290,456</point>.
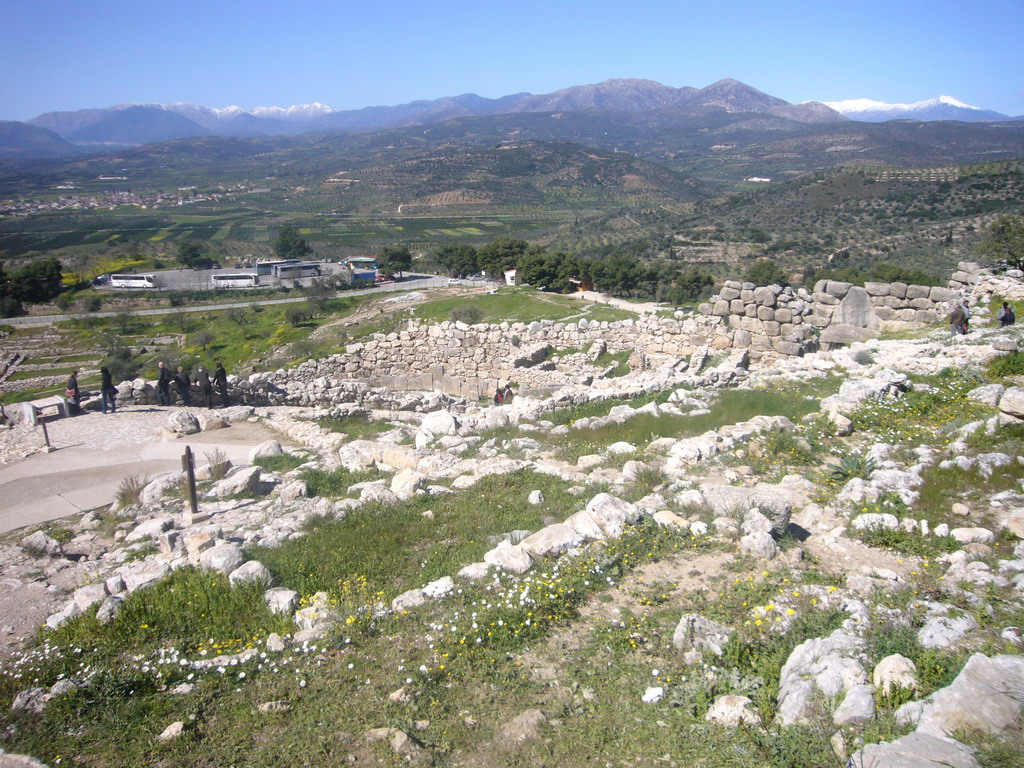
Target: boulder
<point>894,670</point>
<point>223,559</point>
<point>281,600</point>
<point>160,487</point>
<point>984,697</point>
<point>916,750</point>
<point>241,480</point>
<point>509,557</point>
<point>183,423</point>
<point>40,542</point>
<point>551,540</point>
<point>760,544</point>
<point>252,572</point>
<point>266,450</point>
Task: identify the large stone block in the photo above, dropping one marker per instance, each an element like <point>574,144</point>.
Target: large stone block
<point>918,291</point>
<point>857,310</point>
<point>837,288</point>
<point>877,289</point>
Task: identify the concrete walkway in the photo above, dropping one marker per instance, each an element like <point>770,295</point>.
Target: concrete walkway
<point>86,473</point>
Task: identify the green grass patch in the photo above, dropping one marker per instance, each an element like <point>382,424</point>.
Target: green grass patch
<point>356,426</point>
<point>396,548</point>
<point>283,463</point>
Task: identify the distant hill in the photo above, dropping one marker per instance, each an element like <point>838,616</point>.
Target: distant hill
<point>24,141</point>
<point>136,124</point>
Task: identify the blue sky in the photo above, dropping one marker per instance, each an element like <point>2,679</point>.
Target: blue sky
<point>74,54</point>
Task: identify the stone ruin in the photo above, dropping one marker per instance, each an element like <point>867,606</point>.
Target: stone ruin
<point>469,361</point>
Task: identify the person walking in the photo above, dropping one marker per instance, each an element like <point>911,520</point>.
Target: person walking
<point>184,386</point>
<point>507,397</point>
<point>220,378</point>
<point>108,393</point>
<point>202,380</point>
<point>73,395</point>
<point>957,321</point>
<point>163,384</point>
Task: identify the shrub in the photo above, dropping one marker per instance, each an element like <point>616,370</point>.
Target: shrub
<point>469,315</point>
<point>92,304</point>
<point>297,315</point>
<point>129,492</point>
<point>219,464</point>
<point>1006,365</point>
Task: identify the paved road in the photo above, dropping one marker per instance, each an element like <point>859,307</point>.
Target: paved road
<point>413,283</point>
<point>91,462</point>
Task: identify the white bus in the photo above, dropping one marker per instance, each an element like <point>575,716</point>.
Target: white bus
<point>298,269</point>
<point>249,280</point>
<point>268,267</point>
<point>132,281</point>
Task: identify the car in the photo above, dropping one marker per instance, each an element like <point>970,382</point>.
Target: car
<point>101,279</point>
<point>454,281</point>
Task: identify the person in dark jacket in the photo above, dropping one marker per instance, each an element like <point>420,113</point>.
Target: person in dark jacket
<point>184,386</point>
<point>73,395</point>
<point>108,392</point>
<point>220,378</point>
<point>163,384</point>
<point>202,380</point>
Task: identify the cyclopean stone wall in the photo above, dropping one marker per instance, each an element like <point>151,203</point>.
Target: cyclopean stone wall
<point>768,321</point>
<point>783,321</point>
<point>471,360</point>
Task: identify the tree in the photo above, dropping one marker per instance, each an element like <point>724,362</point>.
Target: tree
<point>394,259</point>
<point>458,259</point>
<point>189,253</point>
<point>1004,241</point>
<point>766,272</point>
<point>319,293</point>
<point>690,284</point>
<point>501,254</point>
<point>289,244</point>
<point>36,282</point>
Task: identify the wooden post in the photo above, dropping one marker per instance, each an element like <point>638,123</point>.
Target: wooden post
<point>189,468</point>
<point>46,436</point>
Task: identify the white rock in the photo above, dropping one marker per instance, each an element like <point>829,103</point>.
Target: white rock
<point>223,559</point>
<point>252,572</point>
<point>266,450</point>
<point>183,423</point>
<point>730,711</point>
<point>509,557</point>
<point>281,600</point>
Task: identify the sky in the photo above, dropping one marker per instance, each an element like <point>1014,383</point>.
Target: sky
<point>74,54</point>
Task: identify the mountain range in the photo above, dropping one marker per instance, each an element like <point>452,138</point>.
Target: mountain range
<point>128,125</point>
<point>941,108</point>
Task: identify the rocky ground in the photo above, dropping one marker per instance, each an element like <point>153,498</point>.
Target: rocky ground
<point>437,445</point>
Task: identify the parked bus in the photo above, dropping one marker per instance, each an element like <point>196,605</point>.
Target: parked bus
<point>248,280</point>
<point>132,281</point>
<point>298,269</point>
<point>267,267</point>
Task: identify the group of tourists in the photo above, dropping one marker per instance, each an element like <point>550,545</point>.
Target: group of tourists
<point>502,396</point>
<point>170,386</point>
<point>960,317</point>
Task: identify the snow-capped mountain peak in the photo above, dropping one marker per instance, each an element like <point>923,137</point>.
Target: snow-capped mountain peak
<point>940,108</point>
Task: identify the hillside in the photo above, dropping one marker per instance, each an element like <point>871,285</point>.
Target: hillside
<point>706,563</point>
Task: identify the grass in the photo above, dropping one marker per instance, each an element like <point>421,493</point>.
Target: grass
<point>517,305</point>
<point>355,426</point>
<point>283,463</point>
<point>398,547</point>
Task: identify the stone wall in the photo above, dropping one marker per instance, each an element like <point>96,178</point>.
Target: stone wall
<point>786,322</point>
<point>768,321</point>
